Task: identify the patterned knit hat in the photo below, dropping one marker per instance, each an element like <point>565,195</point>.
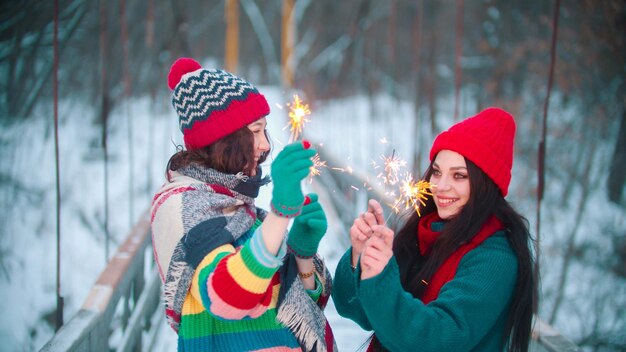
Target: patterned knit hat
<point>212,103</point>
<point>487,140</point>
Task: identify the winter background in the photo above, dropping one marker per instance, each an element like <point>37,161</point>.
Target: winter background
<point>361,109</point>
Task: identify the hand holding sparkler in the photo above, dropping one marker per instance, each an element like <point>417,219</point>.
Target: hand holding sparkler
<point>362,228</point>
<point>308,228</point>
<point>289,168</point>
<point>377,252</point>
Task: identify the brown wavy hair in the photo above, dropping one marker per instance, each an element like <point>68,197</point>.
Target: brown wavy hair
<point>231,154</point>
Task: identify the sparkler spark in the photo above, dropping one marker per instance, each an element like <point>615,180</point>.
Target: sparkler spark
<point>347,169</point>
<point>412,194</point>
<point>392,166</point>
<point>315,169</point>
<point>297,117</point>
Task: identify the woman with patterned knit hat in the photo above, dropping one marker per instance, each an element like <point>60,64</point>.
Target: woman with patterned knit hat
<point>234,278</point>
<point>458,277</point>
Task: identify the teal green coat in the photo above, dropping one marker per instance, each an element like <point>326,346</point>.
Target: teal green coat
<point>468,315</point>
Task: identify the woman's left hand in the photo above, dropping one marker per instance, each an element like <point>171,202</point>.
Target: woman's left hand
<point>308,228</point>
<point>377,252</point>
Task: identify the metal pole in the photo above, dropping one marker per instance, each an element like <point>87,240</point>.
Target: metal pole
<point>127,92</point>
<point>457,57</point>
<point>105,116</point>
<point>542,142</point>
<point>59,311</point>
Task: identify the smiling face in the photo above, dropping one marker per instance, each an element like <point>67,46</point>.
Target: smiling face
<point>452,185</point>
<point>261,144</point>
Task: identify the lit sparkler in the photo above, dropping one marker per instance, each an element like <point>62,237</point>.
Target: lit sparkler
<point>412,194</point>
<point>297,117</point>
<point>392,168</point>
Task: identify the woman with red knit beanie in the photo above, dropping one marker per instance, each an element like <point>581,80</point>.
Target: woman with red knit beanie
<point>234,277</point>
<point>458,277</point>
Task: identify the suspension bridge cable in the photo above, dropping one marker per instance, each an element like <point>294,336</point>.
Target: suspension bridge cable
<point>127,88</point>
<point>104,117</point>
<point>457,57</point>
<point>55,88</point>
<point>542,142</point>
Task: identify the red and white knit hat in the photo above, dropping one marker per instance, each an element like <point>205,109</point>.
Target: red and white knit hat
<point>487,140</point>
<point>212,103</point>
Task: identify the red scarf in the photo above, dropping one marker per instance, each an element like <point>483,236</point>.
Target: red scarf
<point>426,238</point>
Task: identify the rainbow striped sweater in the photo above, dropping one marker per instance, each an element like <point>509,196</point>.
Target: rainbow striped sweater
<point>222,289</point>
<point>231,305</point>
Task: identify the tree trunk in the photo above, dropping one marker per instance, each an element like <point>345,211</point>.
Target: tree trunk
<point>416,81</point>
<point>617,172</point>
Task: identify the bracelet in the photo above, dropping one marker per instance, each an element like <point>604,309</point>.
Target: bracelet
<point>284,211</point>
<point>307,275</point>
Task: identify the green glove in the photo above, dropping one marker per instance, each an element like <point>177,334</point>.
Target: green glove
<point>308,228</point>
<point>289,168</point>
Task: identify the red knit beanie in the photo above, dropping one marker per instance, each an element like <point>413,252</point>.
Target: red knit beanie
<point>487,140</point>
<point>212,103</point>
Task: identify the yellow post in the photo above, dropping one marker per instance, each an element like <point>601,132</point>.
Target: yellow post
<point>231,55</point>
<point>288,40</point>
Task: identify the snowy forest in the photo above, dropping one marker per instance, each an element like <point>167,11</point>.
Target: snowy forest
<point>402,70</point>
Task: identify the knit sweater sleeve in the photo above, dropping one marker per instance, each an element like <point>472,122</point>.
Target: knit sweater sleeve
<point>345,287</point>
<point>466,309</point>
<point>237,283</point>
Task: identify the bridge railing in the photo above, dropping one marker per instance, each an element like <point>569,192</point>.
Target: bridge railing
<point>121,305</point>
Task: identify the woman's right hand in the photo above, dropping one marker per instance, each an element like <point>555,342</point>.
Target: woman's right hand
<point>361,229</point>
<point>290,167</point>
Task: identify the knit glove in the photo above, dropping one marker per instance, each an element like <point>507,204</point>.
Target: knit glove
<point>308,228</point>
<point>289,168</point>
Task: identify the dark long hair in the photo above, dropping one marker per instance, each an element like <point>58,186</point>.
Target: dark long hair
<point>231,154</point>
<point>485,200</point>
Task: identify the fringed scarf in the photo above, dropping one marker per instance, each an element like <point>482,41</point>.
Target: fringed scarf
<point>217,209</point>
<point>298,312</point>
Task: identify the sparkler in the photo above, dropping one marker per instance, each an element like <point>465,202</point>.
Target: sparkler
<point>412,194</point>
<point>297,117</point>
<point>298,112</point>
<point>391,169</point>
